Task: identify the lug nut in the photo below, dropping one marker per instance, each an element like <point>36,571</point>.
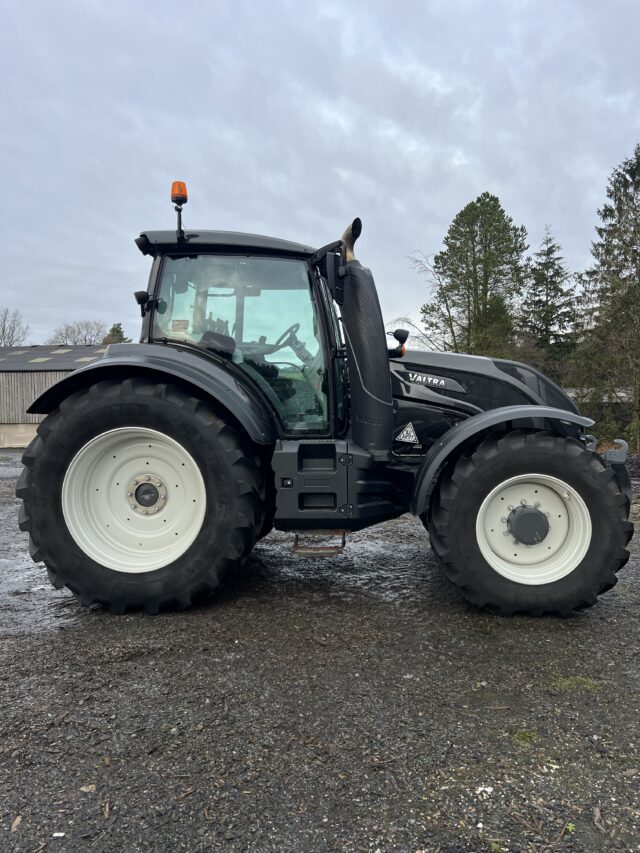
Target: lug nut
<point>133,506</point>
<point>147,478</point>
<point>510,507</point>
<point>129,494</point>
<point>135,482</point>
<point>504,519</point>
<point>537,504</point>
<point>523,503</point>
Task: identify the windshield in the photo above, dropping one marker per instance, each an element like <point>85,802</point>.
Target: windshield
<point>260,313</point>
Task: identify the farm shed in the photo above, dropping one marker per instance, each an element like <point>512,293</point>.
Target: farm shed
<point>27,371</point>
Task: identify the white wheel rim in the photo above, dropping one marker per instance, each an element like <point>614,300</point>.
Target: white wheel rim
<point>558,554</point>
<point>106,519</point>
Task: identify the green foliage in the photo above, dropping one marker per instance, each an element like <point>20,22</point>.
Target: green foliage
<point>115,335</point>
<point>477,280</point>
<point>548,313</point>
<point>610,344</point>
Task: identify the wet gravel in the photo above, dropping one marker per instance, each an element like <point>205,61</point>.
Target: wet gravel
<point>354,703</point>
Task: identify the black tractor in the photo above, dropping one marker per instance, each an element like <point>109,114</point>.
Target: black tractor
<point>264,393</point>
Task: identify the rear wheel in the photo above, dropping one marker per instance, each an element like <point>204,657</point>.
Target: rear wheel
<point>137,495</point>
<point>530,523</point>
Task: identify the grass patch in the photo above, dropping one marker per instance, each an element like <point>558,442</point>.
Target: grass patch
<point>576,684</point>
<point>522,737</point>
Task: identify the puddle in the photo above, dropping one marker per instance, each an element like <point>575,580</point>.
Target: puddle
<point>28,603</point>
<point>392,562</point>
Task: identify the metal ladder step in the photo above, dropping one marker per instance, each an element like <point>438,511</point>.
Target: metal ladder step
<point>319,543</point>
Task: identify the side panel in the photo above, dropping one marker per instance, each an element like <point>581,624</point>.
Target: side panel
<point>535,417</point>
<point>326,485</point>
<point>166,364</point>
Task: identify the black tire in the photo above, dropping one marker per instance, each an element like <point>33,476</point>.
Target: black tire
<point>270,500</point>
<point>229,468</point>
<point>458,501</point>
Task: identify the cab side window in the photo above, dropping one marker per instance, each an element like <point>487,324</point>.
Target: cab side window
<point>259,312</point>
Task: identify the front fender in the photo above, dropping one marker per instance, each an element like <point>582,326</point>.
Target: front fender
<point>166,364</point>
<point>463,432</point>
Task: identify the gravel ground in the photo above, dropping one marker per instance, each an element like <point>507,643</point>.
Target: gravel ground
<point>354,703</point>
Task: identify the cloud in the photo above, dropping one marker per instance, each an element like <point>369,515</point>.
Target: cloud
<point>290,120</point>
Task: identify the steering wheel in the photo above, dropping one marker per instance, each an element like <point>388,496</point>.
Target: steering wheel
<point>286,336</point>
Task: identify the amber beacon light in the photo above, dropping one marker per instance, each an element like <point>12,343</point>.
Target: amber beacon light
<point>179,192</point>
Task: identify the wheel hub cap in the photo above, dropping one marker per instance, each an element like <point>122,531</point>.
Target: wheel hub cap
<point>146,493</point>
<point>528,525</point>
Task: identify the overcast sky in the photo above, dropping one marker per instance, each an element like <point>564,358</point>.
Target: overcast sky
<point>289,119</point>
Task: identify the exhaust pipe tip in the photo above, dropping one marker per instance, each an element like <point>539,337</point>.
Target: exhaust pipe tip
<point>351,234</point>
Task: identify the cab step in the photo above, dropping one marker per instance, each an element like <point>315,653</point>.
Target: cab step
<point>319,543</point>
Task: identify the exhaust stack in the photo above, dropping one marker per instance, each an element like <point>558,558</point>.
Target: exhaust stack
<point>367,357</point>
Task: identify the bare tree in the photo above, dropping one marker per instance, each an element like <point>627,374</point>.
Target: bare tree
<point>79,333</point>
<point>439,327</point>
<point>418,337</point>
<point>13,330</point>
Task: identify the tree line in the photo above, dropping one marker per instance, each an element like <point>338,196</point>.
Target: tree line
<point>488,296</point>
<point>14,332</point>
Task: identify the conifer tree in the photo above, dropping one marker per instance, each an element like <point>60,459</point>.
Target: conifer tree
<point>115,335</point>
<point>476,280</point>
<point>612,346</point>
<point>549,307</point>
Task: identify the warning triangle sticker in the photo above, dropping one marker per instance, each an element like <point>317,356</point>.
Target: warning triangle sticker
<point>408,435</point>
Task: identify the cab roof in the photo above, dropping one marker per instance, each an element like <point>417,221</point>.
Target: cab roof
<point>166,242</point>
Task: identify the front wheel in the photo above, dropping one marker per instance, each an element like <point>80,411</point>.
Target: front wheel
<point>530,523</point>
<point>137,495</point>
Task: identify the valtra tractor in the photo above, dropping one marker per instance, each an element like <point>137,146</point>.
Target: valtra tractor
<point>264,393</point>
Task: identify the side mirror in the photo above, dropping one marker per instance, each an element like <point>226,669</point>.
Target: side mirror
<point>401,336</point>
<point>145,301</point>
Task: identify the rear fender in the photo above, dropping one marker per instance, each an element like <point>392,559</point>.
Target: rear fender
<point>169,364</point>
<point>511,417</point>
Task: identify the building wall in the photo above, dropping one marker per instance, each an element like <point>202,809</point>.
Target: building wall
<point>17,392</point>
<point>16,435</point>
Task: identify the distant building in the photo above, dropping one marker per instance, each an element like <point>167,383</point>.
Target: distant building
<point>25,372</point>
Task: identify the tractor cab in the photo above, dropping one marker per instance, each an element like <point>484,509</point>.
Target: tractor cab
<point>259,312</point>
<point>268,308</point>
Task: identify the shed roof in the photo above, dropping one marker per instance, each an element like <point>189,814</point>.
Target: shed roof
<point>42,359</point>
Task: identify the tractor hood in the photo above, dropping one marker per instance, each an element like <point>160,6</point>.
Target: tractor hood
<point>472,383</point>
